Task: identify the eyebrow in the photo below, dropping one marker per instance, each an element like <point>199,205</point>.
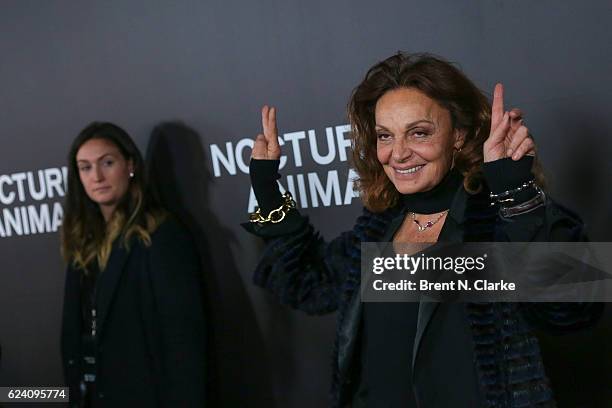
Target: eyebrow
<point>409,125</point>
<point>99,158</point>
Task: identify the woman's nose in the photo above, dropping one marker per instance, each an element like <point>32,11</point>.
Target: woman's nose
<point>98,173</point>
<point>401,150</point>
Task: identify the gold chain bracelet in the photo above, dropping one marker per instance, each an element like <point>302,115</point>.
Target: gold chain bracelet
<point>277,215</point>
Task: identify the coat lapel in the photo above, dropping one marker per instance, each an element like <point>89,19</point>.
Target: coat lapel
<point>71,323</point>
<point>348,333</point>
<point>373,228</point>
<point>108,281</point>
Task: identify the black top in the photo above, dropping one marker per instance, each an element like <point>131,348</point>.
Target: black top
<point>437,199</point>
<point>386,354</point>
<point>389,328</point>
<point>88,322</point>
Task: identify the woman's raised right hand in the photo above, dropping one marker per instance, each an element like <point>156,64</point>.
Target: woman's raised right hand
<point>266,145</point>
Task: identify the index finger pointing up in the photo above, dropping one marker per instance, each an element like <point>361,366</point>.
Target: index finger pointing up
<point>497,110</point>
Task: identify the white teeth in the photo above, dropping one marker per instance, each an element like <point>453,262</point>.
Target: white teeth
<point>410,170</point>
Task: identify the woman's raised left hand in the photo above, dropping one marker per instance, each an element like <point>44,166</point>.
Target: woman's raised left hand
<point>509,136</point>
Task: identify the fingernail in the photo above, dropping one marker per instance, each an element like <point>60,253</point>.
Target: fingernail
<point>516,156</point>
<point>509,152</point>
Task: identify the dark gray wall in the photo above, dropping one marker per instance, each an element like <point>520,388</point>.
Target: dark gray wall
<point>212,65</point>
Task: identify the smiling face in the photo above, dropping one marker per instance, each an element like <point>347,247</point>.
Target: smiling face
<point>104,173</point>
<point>415,139</point>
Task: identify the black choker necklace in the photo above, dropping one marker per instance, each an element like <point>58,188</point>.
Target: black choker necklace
<point>435,200</point>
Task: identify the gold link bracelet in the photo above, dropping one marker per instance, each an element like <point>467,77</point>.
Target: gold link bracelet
<point>277,215</point>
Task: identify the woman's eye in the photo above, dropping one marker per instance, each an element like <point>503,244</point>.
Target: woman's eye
<point>84,168</point>
<point>108,163</point>
<point>419,134</point>
<point>383,136</point>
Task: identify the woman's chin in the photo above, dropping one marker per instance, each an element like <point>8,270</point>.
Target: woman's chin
<point>418,183</point>
<point>408,190</point>
<point>105,202</point>
<point>404,187</point>
<point>415,186</point>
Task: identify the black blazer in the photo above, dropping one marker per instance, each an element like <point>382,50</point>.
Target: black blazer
<point>151,336</point>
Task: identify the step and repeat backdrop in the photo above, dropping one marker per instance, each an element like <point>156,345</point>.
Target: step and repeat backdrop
<point>187,80</point>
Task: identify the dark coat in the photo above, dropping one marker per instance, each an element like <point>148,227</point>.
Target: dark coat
<point>151,336</point>
<point>308,274</point>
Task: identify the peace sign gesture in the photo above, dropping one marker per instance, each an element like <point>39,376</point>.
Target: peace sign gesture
<point>509,137</point>
<point>266,145</point>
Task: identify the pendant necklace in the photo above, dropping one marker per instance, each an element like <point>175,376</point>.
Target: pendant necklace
<point>429,223</point>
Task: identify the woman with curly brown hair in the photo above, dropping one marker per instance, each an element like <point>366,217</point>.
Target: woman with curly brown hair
<point>430,153</point>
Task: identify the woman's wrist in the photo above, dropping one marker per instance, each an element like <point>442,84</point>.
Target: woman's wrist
<point>264,175</point>
<point>506,174</point>
<point>513,186</point>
